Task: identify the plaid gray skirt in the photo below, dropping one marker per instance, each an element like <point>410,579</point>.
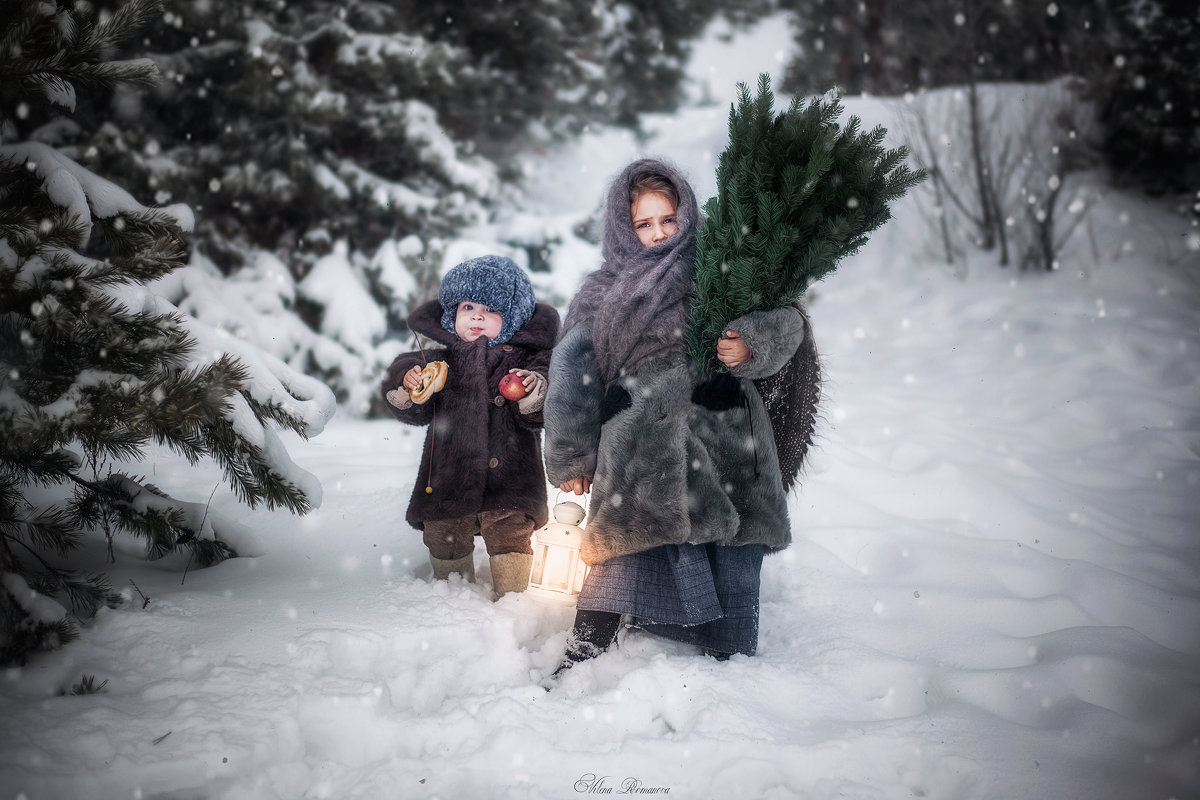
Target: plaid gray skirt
<point>706,595</point>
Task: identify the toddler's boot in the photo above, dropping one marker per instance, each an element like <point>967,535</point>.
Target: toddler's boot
<point>444,568</point>
<point>510,572</point>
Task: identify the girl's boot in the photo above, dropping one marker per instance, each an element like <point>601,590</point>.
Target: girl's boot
<point>590,636</point>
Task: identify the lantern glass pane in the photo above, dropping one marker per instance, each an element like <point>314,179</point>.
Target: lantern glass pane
<point>559,566</point>
<point>539,564</point>
<point>581,571</point>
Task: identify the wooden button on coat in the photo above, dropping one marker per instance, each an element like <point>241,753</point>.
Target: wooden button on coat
<point>495,462</point>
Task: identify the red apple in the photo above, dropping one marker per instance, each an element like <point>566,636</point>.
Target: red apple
<point>512,387</point>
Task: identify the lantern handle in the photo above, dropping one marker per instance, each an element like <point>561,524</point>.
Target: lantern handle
<point>558,499</point>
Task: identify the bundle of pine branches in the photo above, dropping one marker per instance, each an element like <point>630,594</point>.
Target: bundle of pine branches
<point>796,193</point>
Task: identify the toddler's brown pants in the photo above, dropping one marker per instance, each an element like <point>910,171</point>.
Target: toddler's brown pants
<point>502,531</point>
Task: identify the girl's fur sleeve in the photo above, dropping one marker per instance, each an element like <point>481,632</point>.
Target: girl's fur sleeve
<point>573,409</point>
<point>773,336</point>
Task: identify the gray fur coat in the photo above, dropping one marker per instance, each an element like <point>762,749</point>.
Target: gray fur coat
<point>673,456</point>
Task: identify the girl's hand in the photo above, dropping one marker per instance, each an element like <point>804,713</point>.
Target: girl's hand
<point>732,350</point>
<point>412,379</point>
<point>577,485</point>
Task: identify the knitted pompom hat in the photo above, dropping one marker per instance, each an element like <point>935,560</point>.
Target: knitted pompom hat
<point>494,281</point>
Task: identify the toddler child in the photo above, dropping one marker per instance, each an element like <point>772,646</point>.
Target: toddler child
<point>481,468</point>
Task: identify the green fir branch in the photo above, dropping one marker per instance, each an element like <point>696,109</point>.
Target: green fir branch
<point>50,51</point>
<point>53,530</point>
<point>86,685</point>
<point>796,193</point>
<point>132,16</point>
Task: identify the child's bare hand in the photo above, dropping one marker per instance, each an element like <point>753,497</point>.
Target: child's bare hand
<point>732,350</point>
<point>576,485</point>
<point>528,378</point>
<point>412,379</point>
<point>535,390</point>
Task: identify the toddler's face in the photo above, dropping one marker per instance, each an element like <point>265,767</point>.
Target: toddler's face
<point>653,218</point>
<point>475,319</point>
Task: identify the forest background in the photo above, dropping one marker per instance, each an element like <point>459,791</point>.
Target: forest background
<point>381,133</point>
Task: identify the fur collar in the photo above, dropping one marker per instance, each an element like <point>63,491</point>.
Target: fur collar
<point>539,333</point>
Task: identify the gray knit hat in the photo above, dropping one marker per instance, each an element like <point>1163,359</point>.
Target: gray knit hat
<point>494,281</point>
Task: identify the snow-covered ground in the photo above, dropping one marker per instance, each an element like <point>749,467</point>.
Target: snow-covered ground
<point>994,590</point>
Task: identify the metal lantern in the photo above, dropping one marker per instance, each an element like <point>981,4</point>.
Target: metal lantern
<point>558,571</point>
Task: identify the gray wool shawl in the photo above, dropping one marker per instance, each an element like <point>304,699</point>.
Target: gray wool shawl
<point>636,303</point>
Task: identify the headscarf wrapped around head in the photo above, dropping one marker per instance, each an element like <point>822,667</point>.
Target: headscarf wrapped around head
<point>637,301</point>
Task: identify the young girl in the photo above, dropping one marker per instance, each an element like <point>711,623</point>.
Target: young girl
<point>481,469</point>
<point>688,492</point>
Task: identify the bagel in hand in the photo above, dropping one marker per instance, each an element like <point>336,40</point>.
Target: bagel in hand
<point>433,378</point>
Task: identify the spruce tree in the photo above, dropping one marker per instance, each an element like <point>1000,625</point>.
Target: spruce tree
<point>372,132</point>
<point>1147,84</point>
<point>645,47</point>
<point>796,193</point>
<point>298,124</point>
<point>889,48</point>
<point>94,368</point>
<point>316,129</point>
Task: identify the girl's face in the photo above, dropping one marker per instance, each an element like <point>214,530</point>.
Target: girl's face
<point>653,218</point>
<point>473,320</point>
